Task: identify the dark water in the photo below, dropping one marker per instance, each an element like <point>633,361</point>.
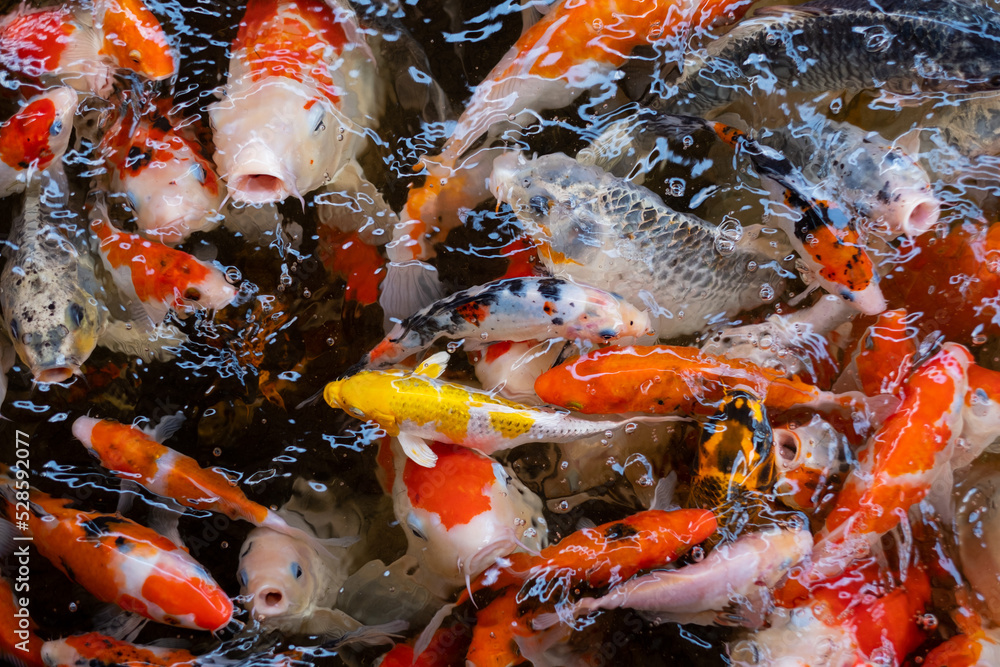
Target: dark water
<point>234,382</point>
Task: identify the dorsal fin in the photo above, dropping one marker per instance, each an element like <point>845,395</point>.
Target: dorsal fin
<point>434,365</point>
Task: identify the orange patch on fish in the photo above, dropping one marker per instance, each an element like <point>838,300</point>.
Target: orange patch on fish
<point>886,353</point>
<point>134,38</point>
<point>497,350</point>
<point>178,596</point>
<point>473,312</point>
<point>106,650</point>
<point>456,489</point>
<point>840,253</point>
<point>39,38</point>
<point>361,265</point>
<point>25,137</point>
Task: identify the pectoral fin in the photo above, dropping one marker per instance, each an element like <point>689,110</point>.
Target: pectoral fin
<point>434,365</point>
<point>417,450</point>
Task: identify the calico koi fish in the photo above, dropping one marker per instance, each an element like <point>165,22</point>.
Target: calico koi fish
<point>96,650</point>
<point>574,47</point>
<point>416,406</point>
<point>133,455</point>
<point>119,561</point>
<point>895,469</point>
<point>517,309</point>
<point>172,188</point>
<point>35,137</point>
<point>297,101</point>
<point>464,514</point>
<point>83,49</point>
<point>608,232</point>
<point>663,379</point>
<point>18,641</point>
<point>155,276</point>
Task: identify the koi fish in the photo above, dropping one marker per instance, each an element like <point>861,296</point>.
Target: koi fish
<point>742,572</point>
<point>171,188</point>
<point>607,232</point>
<point>809,455</point>
<point>895,469</point>
<point>464,514</point>
<point>297,102</point>
<point>96,650</point>
<point>573,48</point>
<point>735,454</point>
<point>131,454</point>
<point>35,137</point>
<point>360,265</point>
<point>980,649</point>
<point>417,406</point>
<point>517,309</point>
<point>663,379</point>
<point>48,291</point>
<point>119,561</point>
<point>155,276</point>
<point>82,49</point>
<point>18,642</point>
<point>885,355</point>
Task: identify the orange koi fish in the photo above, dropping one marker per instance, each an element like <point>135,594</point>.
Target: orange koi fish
<point>895,469</point>
<point>574,47</point>
<point>96,650</point>
<point>157,277</point>
<point>35,137</point>
<point>885,354</point>
<point>358,263</point>
<point>298,100</point>
<point>119,561</point>
<point>133,455</point>
<point>18,641</point>
<point>950,284</point>
<point>665,379</point>
<point>171,187</point>
<point>82,50</point>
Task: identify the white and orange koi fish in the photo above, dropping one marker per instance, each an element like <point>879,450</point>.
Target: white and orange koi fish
<point>415,406</point>
<point>35,137</point>
<point>119,561</point>
<point>297,102</point>
<point>155,276</point>
<point>67,43</point>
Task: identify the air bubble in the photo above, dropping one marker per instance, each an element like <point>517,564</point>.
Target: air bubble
<point>630,427</point>
<point>73,606</point>
<point>217,452</point>
<point>697,554</point>
<point>453,346</point>
<point>766,293</point>
<point>928,622</point>
<point>765,341</point>
<point>563,506</point>
<point>484,335</point>
<point>724,246</point>
<point>751,266</point>
<point>676,187</point>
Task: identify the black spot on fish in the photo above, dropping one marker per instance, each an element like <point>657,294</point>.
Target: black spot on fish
<point>162,124</point>
<point>515,286</point>
<point>550,288</point>
<point>137,158</point>
<point>557,321</point>
<point>619,531</point>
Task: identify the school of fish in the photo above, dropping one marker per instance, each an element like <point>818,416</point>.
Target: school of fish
<point>568,332</point>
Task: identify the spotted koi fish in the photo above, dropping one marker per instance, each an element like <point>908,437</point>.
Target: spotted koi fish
<point>415,406</point>
<point>155,276</point>
<point>97,650</point>
<point>172,188</point>
<point>83,49</point>
<point>574,47</point>
<point>517,309</point>
<point>35,137</point>
<point>119,561</point>
<point>670,380</point>
<point>298,100</point>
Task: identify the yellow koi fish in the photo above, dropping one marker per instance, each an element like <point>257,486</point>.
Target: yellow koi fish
<point>415,406</point>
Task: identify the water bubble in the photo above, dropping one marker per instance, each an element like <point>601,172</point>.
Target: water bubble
<point>724,246</point>
<point>598,25</point>
<point>630,427</point>
<point>731,229</point>
<point>484,335</point>
<point>306,293</point>
<point>698,554</point>
<point>609,434</point>
<point>611,461</point>
<point>877,38</point>
<point>564,465</point>
<point>765,341</point>
<point>233,274</point>
<point>751,266</point>
<point>928,622</point>
<point>73,606</point>
<point>453,346</point>
<point>225,545</point>
<point>766,293</point>
<point>563,506</point>
<point>518,521</point>
<point>676,187</point>
<point>645,480</point>
<point>836,105</point>
<point>217,452</point>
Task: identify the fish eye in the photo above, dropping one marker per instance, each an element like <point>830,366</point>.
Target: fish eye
<point>56,128</point>
<point>135,56</point>
<point>199,173</point>
<point>296,570</point>
<point>244,580</point>
<point>357,412</point>
<point>15,330</point>
<point>317,119</point>
<point>540,204</point>
<point>75,312</point>
<point>192,294</point>
<point>414,524</point>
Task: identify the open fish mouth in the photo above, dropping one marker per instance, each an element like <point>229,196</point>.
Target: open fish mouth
<point>54,375</point>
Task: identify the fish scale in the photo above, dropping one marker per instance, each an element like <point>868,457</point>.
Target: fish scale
<point>610,233</point>
<point>824,47</point>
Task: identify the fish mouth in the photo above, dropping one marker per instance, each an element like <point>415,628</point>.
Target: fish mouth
<point>259,188</point>
<point>270,601</point>
<point>54,375</point>
<point>920,216</point>
<point>260,176</point>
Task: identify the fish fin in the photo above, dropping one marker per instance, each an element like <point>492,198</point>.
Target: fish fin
<point>787,12</point>
<point>408,287</point>
<point>165,522</point>
<point>545,621</point>
<point>909,141</point>
<point>112,621</point>
<point>374,635</point>
<point>896,101</point>
<point>7,534</point>
<point>417,450</point>
<point>424,640</point>
<point>350,203</point>
<point>330,623</point>
<point>663,496</point>
<point>169,425</point>
<point>434,365</point>
<point>129,490</point>
<point>584,523</point>
<point>159,344</point>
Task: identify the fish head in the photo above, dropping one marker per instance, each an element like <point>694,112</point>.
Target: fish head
<point>553,197</point>
<point>736,451</point>
<point>54,326</point>
<point>806,457</point>
<point>365,395</point>
<point>278,139</point>
<point>466,512</point>
<point>204,287</point>
<point>39,132</point>
<point>282,575</point>
<point>172,190</point>
<point>134,38</point>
